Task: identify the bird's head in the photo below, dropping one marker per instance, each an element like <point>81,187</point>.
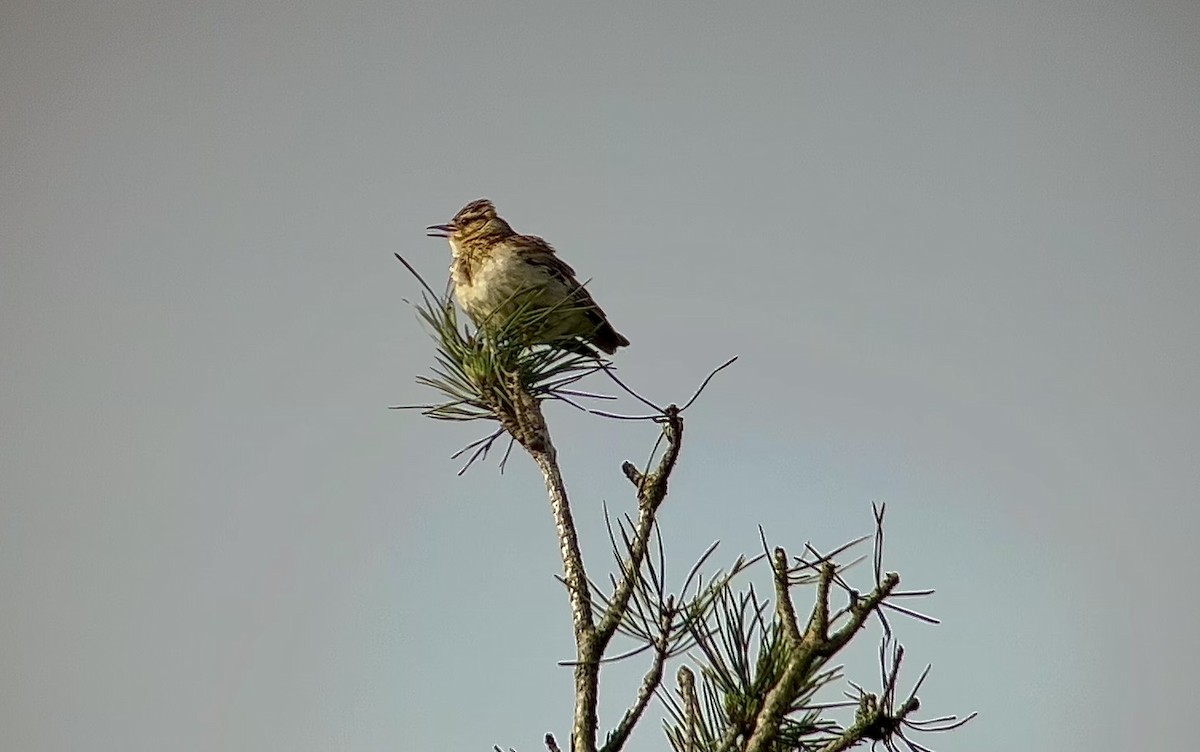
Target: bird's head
<point>476,219</point>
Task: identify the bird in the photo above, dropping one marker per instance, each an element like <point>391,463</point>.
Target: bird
<point>496,272</point>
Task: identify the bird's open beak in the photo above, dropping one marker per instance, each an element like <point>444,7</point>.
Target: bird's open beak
<point>440,231</point>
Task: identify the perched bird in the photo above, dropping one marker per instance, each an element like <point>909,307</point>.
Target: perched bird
<point>496,271</point>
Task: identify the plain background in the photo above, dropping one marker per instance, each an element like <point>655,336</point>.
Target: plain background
<point>954,244</point>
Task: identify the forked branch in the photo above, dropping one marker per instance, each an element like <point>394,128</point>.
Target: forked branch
<point>762,664</point>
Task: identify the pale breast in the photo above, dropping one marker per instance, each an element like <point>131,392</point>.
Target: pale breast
<point>496,281</point>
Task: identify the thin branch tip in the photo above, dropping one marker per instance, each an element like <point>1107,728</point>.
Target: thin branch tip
<point>707,379</point>
<point>417,274</point>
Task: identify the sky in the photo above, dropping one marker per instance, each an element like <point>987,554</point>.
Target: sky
<point>954,246</point>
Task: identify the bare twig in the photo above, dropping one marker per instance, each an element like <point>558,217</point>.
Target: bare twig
<point>859,612</point>
<point>650,682</point>
<point>652,491</point>
<point>687,689</point>
<point>628,390</point>
<point>707,379</point>
<point>785,612</point>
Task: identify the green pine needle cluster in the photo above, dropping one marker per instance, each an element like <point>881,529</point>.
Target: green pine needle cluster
<point>744,658</point>
<point>477,370</point>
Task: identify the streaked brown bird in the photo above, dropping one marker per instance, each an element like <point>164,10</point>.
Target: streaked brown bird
<point>495,271</point>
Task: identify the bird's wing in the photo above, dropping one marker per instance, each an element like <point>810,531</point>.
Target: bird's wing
<point>538,252</point>
<point>533,250</point>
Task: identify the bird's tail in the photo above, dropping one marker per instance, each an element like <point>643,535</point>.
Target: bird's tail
<point>608,339</point>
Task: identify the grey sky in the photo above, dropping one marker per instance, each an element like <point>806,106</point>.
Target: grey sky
<point>954,244</point>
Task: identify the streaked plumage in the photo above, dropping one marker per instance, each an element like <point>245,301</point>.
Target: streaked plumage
<point>494,268</point>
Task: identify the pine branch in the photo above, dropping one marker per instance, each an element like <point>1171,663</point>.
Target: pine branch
<point>532,434</point>
<point>651,491</point>
<point>650,683</point>
<point>762,669</point>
